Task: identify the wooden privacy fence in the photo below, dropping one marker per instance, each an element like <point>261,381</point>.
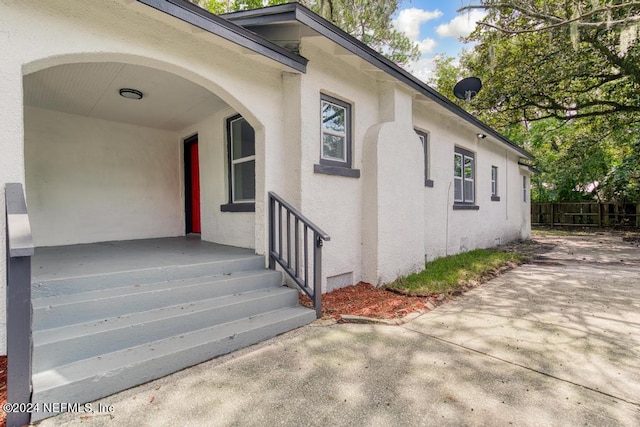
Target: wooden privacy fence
<point>590,214</point>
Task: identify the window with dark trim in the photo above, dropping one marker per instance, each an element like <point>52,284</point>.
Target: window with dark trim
<point>524,188</point>
<point>241,159</point>
<point>424,139</point>
<point>494,184</point>
<point>335,138</point>
<point>464,173</point>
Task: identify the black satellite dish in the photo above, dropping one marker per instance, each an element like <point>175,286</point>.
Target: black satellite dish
<point>468,88</point>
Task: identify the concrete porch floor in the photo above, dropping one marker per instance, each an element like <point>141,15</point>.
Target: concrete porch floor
<point>63,270</point>
<point>60,262</point>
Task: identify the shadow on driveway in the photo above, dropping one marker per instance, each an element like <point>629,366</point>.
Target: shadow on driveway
<point>550,343</point>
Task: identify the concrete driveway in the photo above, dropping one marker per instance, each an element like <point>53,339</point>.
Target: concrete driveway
<point>555,342</point>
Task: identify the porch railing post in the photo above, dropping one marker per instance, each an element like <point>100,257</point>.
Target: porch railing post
<point>19,340</point>
<point>19,309</point>
<point>317,275</point>
<point>289,266</point>
<point>272,232</point>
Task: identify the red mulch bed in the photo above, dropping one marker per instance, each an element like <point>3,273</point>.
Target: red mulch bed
<point>366,300</point>
<point>3,388</point>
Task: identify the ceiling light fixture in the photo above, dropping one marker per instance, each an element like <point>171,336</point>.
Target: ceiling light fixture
<point>130,93</point>
<point>481,136</point>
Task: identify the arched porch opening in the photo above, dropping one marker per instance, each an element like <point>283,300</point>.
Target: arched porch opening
<point>102,165</point>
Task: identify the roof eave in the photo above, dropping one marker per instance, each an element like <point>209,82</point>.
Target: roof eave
<point>198,17</point>
<point>531,168</point>
<point>357,47</point>
<point>295,11</point>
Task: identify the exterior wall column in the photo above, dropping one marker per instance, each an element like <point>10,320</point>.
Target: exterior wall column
<point>393,191</point>
<point>292,141</point>
<point>525,222</point>
<point>11,163</point>
<point>282,157</point>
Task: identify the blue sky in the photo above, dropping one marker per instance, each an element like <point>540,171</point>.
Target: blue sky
<point>436,27</point>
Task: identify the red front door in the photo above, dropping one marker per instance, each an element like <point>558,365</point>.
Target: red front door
<point>192,185</point>
<point>195,189</point>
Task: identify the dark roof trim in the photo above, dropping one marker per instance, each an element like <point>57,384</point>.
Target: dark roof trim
<point>532,169</point>
<point>295,11</point>
<point>194,15</point>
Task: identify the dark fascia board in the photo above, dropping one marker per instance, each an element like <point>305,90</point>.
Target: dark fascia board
<point>532,169</point>
<point>295,11</point>
<point>196,16</point>
<point>264,15</point>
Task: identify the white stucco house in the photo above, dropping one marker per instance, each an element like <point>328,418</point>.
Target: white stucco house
<point>142,120</point>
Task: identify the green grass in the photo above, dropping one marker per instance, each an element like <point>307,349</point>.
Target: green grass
<point>445,275</point>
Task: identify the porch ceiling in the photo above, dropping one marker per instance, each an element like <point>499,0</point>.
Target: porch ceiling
<point>170,102</point>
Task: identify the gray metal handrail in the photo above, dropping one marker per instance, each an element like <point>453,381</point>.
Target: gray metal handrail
<point>20,249</point>
<point>297,267</point>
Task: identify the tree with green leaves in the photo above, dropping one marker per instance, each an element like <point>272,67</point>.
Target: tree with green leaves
<point>225,6</point>
<point>563,80</point>
<point>370,21</point>
<point>563,59</point>
<point>572,101</point>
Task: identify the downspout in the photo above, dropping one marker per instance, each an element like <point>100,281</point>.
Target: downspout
<point>446,238</point>
<point>506,185</point>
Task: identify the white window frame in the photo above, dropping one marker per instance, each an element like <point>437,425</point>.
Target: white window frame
<point>233,162</point>
<point>346,135</point>
<point>458,178</point>
<point>464,155</point>
<point>472,180</point>
<point>524,188</point>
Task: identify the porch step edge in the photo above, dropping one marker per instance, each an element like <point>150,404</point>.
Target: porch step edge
<point>97,377</point>
<point>65,345</point>
<point>93,306</point>
<point>139,288</point>
<point>71,285</point>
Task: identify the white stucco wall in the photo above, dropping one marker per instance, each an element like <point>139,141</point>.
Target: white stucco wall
<point>35,35</point>
<point>449,231</point>
<point>525,206</point>
<point>11,151</point>
<point>284,109</point>
<point>387,219</point>
<point>227,228</point>
<point>91,180</point>
<point>392,197</point>
<point>334,202</point>
<point>292,143</point>
<point>375,221</point>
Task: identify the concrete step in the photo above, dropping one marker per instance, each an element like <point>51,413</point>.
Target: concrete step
<point>100,376</point>
<point>67,344</point>
<point>96,305</point>
<point>101,281</point>
<point>101,327</point>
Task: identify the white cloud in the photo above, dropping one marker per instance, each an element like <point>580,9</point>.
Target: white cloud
<point>461,25</point>
<point>427,45</point>
<point>422,68</point>
<point>409,21</point>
